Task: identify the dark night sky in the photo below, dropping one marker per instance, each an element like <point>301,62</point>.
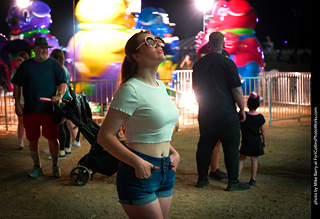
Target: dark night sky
<point>280,20</point>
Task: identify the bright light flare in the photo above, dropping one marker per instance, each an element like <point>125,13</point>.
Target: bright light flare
<point>188,100</point>
<point>204,5</point>
<point>23,3</point>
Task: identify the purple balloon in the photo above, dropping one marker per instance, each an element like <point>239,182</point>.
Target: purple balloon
<point>106,89</point>
<point>30,22</point>
<point>35,16</point>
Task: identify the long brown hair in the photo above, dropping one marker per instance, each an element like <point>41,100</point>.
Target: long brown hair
<point>58,55</point>
<point>23,54</point>
<point>129,65</point>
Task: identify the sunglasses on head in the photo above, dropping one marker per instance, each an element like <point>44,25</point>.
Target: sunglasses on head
<point>152,42</point>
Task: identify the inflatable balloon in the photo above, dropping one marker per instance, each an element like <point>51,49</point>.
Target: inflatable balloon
<point>153,19</point>
<point>111,73</point>
<point>99,45</point>
<point>157,21</point>
<point>30,21</point>
<point>236,19</point>
<point>101,40</point>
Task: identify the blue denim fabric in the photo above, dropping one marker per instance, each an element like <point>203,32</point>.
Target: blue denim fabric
<point>138,191</point>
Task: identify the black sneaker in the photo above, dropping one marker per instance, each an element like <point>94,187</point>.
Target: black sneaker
<point>237,186</point>
<point>202,182</point>
<point>253,182</point>
<point>218,174</point>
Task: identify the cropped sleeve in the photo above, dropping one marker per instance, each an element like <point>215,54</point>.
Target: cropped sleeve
<point>125,99</point>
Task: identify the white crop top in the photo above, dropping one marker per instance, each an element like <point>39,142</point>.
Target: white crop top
<point>152,114</point>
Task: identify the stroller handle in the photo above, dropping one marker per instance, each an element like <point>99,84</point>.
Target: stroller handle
<point>49,99</point>
<point>45,99</point>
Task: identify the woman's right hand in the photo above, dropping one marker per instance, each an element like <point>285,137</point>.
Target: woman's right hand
<point>144,168</point>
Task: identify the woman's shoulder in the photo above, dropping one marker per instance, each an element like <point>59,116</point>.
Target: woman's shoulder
<point>128,87</point>
<point>161,84</point>
<point>141,86</point>
<point>129,84</point>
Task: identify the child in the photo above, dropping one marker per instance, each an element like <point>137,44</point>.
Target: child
<point>251,130</point>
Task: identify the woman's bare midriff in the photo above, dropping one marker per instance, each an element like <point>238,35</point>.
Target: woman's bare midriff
<point>152,149</point>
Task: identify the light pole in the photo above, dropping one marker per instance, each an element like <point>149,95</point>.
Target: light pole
<point>204,5</point>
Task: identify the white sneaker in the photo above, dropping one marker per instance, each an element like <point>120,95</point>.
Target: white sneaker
<point>75,144</point>
<point>60,157</point>
<point>47,151</point>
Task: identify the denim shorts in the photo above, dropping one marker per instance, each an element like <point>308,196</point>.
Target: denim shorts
<point>138,191</point>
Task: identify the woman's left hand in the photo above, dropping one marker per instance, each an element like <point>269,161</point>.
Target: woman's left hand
<point>175,159</point>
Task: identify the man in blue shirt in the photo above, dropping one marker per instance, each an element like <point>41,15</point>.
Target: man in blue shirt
<point>217,87</point>
<point>40,77</point>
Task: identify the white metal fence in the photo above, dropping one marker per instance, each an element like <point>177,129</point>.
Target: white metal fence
<point>287,95</point>
<point>7,110</point>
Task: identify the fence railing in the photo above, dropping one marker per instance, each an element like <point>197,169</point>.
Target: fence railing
<point>7,110</point>
<point>289,94</point>
<point>286,95</point>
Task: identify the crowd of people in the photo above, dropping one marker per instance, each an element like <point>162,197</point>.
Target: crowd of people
<point>141,106</point>
<point>34,78</point>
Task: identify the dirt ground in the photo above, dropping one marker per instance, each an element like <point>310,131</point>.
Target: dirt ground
<point>283,189</point>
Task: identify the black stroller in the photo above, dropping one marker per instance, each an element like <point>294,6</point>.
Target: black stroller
<point>97,160</point>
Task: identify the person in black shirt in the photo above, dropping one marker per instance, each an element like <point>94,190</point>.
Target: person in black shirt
<point>40,77</point>
<point>215,171</point>
<point>217,87</point>
<point>252,130</point>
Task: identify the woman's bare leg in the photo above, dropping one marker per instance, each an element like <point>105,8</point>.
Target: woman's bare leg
<point>165,204</point>
<point>158,209</point>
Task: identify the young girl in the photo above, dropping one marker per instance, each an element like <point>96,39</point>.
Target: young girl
<point>146,175</point>
<point>251,129</point>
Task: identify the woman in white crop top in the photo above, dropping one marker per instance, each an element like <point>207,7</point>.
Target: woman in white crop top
<point>146,174</point>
